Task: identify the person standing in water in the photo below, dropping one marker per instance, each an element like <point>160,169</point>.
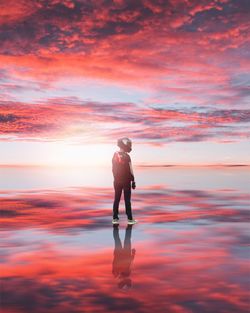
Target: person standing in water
<point>123,179</point>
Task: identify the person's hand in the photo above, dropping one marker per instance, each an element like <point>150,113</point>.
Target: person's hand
<point>133,185</point>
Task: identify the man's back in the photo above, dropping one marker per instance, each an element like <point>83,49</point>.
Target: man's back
<point>121,167</point>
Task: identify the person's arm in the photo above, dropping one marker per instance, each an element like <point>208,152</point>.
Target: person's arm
<point>131,171</point>
<point>132,175</point>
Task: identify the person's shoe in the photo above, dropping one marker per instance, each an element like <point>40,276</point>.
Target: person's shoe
<point>131,222</point>
<point>115,221</point>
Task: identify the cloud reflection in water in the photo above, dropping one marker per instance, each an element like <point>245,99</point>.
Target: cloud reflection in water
<point>191,256</point>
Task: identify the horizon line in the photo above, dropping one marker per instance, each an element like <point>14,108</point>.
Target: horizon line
<point>134,165</point>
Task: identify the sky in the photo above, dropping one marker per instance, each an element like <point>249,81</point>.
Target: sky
<point>171,75</point>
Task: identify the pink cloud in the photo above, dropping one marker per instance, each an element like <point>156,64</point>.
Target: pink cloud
<point>186,54</point>
<point>127,43</point>
<point>41,208</point>
<point>61,118</point>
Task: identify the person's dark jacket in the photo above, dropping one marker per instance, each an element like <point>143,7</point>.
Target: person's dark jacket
<point>121,168</point>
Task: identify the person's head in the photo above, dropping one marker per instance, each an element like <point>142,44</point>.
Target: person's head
<point>125,144</point>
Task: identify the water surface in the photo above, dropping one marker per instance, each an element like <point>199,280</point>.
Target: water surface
<point>188,253</point>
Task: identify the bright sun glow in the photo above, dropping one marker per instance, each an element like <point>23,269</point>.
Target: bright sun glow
<point>84,155</point>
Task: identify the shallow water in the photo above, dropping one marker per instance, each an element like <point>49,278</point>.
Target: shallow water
<point>188,253</point>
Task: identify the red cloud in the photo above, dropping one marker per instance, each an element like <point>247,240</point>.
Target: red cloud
<point>13,11</point>
<point>70,117</point>
<point>151,43</point>
<point>189,53</point>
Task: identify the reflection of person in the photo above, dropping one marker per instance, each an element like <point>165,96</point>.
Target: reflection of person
<point>123,258</point>
<point>123,176</point>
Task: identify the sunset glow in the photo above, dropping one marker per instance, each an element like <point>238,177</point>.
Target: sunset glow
<point>163,73</point>
<point>88,228</point>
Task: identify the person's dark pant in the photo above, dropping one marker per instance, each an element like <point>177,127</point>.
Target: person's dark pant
<point>127,239</point>
<point>126,188</point>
